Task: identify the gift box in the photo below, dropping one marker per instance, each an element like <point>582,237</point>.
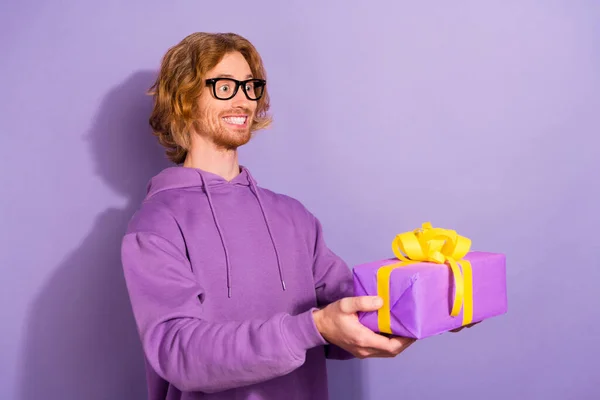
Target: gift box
<point>433,285</point>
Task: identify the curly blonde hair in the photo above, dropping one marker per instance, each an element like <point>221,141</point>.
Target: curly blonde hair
<point>181,80</point>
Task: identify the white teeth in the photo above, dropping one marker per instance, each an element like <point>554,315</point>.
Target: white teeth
<point>235,120</point>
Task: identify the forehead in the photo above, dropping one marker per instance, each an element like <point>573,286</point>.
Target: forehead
<point>232,65</point>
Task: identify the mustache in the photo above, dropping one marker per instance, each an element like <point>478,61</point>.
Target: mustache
<point>239,110</point>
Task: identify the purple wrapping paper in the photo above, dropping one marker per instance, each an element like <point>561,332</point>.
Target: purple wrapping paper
<point>421,295</point>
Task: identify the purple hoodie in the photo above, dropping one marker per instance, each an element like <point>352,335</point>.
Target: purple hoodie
<point>223,278</point>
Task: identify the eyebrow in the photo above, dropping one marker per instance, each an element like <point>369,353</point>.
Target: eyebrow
<point>249,76</point>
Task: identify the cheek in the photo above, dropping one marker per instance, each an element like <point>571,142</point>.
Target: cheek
<point>211,118</point>
<point>214,120</point>
<point>253,108</point>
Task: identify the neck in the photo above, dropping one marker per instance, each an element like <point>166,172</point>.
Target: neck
<point>205,155</point>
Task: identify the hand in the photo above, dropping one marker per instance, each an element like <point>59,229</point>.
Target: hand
<point>463,327</point>
<point>338,323</point>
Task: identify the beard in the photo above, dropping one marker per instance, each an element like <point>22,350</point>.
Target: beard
<point>223,135</point>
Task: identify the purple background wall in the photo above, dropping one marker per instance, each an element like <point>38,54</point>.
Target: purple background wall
<point>482,118</point>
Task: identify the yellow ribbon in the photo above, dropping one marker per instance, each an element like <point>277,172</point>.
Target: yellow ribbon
<point>435,245</point>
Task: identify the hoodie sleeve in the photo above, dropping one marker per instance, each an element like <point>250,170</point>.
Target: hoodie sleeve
<point>194,354</point>
<point>333,281</point>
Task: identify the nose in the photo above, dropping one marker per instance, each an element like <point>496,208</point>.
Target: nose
<point>240,99</point>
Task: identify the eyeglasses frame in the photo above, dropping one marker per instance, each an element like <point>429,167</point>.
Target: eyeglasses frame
<point>213,82</point>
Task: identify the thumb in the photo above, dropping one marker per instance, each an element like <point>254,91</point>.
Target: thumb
<point>351,305</point>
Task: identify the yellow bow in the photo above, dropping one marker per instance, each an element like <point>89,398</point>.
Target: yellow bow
<point>435,245</point>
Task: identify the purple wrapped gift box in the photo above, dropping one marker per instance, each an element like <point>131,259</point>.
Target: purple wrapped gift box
<point>421,294</point>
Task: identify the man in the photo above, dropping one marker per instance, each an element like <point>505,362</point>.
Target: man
<point>234,291</point>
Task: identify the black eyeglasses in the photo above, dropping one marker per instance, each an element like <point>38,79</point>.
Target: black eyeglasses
<point>227,88</point>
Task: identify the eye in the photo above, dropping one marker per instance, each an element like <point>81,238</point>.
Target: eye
<point>224,88</point>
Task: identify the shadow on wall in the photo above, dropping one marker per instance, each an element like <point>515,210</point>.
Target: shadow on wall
<point>81,341</point>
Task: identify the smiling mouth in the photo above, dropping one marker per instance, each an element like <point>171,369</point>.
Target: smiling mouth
<point>238,120</point>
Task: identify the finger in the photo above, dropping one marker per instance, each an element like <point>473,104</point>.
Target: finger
<point>351,305</point>
<point>403,340</point>
<point>374,353</point>
<point>386,345</point>
<point>399,344</point>
<point>366,338</point>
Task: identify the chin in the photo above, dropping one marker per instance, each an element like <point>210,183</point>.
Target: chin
<point>232,140</point>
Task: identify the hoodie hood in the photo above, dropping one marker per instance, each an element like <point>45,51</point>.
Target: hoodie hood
<point>175,178</point>
<point>186,177</point>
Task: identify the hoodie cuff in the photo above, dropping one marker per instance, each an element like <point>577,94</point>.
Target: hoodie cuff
<point>302,333</point>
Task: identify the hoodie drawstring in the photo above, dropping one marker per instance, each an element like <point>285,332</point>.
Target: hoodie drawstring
<point>262,209</point>
<point>222,236</point>
<point>212,209</point>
